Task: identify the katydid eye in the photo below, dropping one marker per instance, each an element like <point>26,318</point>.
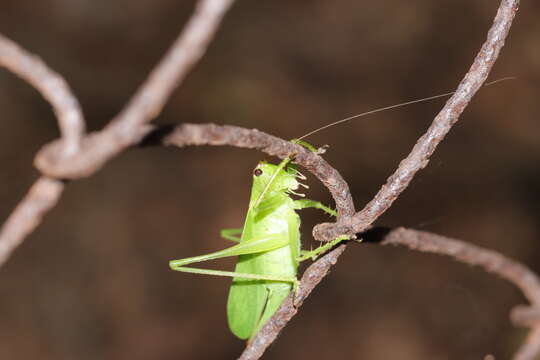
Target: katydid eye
<point>257,172</point>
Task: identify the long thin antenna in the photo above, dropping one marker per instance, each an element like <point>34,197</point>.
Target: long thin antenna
<point>393,107</point>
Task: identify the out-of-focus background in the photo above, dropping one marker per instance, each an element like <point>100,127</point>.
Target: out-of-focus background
<point>93,282</point>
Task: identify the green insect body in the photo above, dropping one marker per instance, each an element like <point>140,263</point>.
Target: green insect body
<point>268,250</point>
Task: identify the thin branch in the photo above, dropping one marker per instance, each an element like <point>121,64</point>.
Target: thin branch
<point>531,347</point>
<point>311,278</point>
<point>441,125</point>
<point>127,127</point>
<point>52,86</point>
<point>443,122</point>
<point>526,315</point>
<point>41,197</point>
<point>45,192</point>
<point>491,261</point>
<point>185,52</point>
<point>217,135</point>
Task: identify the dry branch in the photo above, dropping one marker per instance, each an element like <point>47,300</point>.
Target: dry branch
<point>492,262</point>
<point>211,134</point>
<point>52,86</point>
<point>418,158</point>
<point>184,53</point>
<point>128,127</point>
<point>41,197</point>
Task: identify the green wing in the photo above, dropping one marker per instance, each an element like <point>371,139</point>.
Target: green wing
<point>271,212</point>
<point>247,299</point>
<point>252,302</point>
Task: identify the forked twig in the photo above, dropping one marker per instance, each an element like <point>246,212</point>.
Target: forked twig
<point>184,53</point>
<point>129,126</point>
<point>418,158</point>
<point>74,156</point>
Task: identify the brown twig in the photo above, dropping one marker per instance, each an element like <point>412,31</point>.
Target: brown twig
<point>525,315</point>
<point>41,197</point>
<point>418,158</point>
<point>217,135</point>
<point>185,52</point>
<point>128,127</point>
<point>310,279</point>
<point>531,347</point>
<point>52,86</point>
<point>45,192</point>
<point>492,262</point>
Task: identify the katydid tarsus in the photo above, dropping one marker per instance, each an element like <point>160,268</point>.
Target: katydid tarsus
<point>268,246</point>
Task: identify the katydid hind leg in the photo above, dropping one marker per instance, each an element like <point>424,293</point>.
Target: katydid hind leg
<point>252,246</point>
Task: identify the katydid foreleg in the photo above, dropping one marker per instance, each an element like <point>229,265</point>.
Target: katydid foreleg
<point>307,203</point>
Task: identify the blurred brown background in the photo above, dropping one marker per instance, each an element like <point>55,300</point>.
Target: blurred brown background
<point>93,282</point>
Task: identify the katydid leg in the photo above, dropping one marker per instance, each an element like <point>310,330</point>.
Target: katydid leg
<point>307,203</point>
<point>313,254</point>
<point>252,246</point>
<point>229,234</point>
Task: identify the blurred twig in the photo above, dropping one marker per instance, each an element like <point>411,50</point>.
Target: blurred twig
<point>418,158</point>
<point>185,52</point>
<point>76,156</point>
<point>128,127</point>
<point>52,86</point>
<point>41,197</point>
<point>492,262</point>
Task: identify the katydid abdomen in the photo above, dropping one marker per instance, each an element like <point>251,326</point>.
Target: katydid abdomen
<point>252,302</point>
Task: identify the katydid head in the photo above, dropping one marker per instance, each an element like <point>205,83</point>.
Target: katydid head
<point>275,178</point>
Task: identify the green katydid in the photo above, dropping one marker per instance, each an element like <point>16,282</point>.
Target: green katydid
<point>269,248</point>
